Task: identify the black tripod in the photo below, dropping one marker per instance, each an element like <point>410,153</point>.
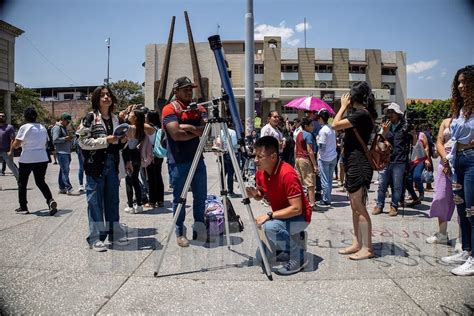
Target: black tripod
<point>218,122</point>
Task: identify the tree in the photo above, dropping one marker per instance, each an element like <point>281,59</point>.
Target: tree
<point>24,98</point>
<point>433,113</point>
<point>127,92</point>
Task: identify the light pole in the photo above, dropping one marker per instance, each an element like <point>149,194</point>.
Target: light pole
<point>108,61</point>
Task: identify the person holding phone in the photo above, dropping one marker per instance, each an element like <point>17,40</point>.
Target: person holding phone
<point>360,103</point>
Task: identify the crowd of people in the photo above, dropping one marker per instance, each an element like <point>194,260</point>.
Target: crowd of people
<point>294,164</point>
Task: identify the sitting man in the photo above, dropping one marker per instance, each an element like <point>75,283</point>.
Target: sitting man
<point>291,212</point>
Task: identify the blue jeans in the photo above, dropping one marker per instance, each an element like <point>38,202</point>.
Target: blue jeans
<point>414,177</point>
<point>179,173</point>
<point>326,169</point>
<point>392,174</point>
<point>279,234</point>
<point>80,172</point>
<point>9,161</point>
<point>464,197</point>
<point>103,204</point>
<point>64,160</point>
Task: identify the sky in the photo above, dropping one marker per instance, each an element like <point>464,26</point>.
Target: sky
<point>64,40</point>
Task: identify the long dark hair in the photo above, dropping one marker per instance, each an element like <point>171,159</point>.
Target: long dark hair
<point>153,118</point>
<point>362,94</point>
<point>458,102</point>
<point>95,99</point>
<point>139,124</point>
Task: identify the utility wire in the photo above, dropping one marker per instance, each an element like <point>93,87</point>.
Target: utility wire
<point>49,61</point>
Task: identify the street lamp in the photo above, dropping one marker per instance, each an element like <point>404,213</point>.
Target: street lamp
<point>107,80</point>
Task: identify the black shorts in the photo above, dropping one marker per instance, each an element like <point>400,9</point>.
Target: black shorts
<point>358,171</point>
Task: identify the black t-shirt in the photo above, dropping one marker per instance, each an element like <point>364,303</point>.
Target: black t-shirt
<point>109,126</point>
<point>362,121</point>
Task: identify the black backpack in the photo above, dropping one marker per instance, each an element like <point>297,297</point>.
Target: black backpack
<point>235,223</point>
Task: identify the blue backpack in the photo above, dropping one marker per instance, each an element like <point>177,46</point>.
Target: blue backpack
<point>158,150</point>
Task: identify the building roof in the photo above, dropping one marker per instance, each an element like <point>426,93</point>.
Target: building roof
<point>10,28</point>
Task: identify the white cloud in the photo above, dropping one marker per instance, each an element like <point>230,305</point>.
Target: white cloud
<point>421,77</point>
<point>443,73</point>
<point>429,78</point>
<point>262,30</point>
<point>300,27</point>
<point>293,42</point>
<point>421,66</point>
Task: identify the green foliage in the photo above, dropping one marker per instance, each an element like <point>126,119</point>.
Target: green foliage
<point>24,98</point>
<point>434,112</point>
<point>127,92</point>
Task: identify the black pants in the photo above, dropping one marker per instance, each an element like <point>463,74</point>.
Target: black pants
<point>156,187</point>
<point>39,171</point>
<point>132,183</point>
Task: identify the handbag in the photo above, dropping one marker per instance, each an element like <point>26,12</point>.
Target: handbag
<point>427,176</point>
<point>380,151</point>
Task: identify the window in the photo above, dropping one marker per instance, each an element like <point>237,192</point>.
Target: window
<point>68,96</point>
<point>272,44</point>
<point>389,86</point>
<point>258,69</point>
<point>289,68</point>
<point>289,84</point>
<point>323,68</point>
<point>389,71</point>
<point>356,69</point>
<point>287,110</point>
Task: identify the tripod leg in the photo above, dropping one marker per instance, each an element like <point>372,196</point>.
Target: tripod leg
<point>246,202</point>
<point>224,189</point>
<point>182,200</point>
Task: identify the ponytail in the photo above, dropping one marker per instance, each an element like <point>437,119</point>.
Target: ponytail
<point>371,106</point>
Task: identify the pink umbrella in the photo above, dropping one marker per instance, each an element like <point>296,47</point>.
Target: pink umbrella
<point>310,104</point>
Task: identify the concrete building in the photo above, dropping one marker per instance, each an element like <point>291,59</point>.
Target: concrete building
<point>8,33</point>
<point>282,74</point>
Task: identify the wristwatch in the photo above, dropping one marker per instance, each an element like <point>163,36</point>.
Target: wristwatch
<point>270,215</point>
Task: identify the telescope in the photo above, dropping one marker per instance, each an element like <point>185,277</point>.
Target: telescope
<point>216,46</point>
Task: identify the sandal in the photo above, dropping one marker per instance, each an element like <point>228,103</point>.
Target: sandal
<point>348,251</point>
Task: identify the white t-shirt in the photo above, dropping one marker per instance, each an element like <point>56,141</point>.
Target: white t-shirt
<point>268,130</point>
<point>327,136</point>
<point>34,138</point>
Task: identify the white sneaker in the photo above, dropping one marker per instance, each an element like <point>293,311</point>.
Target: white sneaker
<point>98,246</point>
<point>81,188</point>
<point>438,238</point>
<point>466,269</point>
<point>129,209</point>
<point>70,192</point>
<point>138,209</point>
<point>458,258</point>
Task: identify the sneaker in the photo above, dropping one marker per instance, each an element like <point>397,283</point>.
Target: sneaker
<point>82,189</point>
<point>22,210</point>
<point>438,238</point>
<point>466,269</point>
<point>458,258</point>
<point>292,266</point>
<point>182,241</point>
<point>377,210</point>
<point>129,209</point>
<point>413,203</point>
<point>138,209</point>
<point>62,191</point>
<point>70,192</point>
<point>98,246</point>
<point>160,204</point>
<point>121,242</point>
<point>393,211</point>
<point>323,204</point>
<point>53,207</point>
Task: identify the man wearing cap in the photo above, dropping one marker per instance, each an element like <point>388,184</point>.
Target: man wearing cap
<point>395,131</point>
<point>62,142</point>
<point>183,128</point>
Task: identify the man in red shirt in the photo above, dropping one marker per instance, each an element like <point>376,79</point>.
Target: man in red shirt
<point>291,213</point>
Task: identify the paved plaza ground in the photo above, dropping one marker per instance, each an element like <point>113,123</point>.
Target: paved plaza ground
<point>46,266</point>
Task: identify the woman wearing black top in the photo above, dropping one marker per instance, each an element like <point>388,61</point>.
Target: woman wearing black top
<point>360,102</point>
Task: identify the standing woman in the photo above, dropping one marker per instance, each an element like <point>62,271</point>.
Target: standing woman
<point>33,138</point>
<point>360,119</point>
<point>156,186</point>
<point>461,160</point>
<point>442,206</point>
<point>101,160</point>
